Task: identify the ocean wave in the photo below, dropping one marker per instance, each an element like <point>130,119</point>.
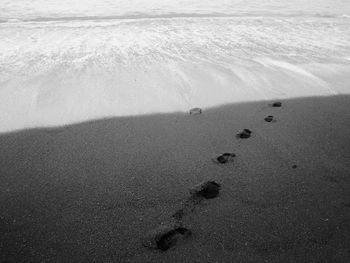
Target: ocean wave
<point>143,16</point>
<point>64,69</point>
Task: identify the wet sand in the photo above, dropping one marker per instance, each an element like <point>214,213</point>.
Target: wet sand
<point>91,192</point>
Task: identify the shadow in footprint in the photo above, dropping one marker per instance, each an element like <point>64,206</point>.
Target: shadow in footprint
<point>168,234</point>
<point>165,237</point>
<point>207,190</point>
<point>269,119</point>
<point>276,104</point>
<point>224,158</point>
<point>245,134</point>
<point>195,111</point>
<point>169,239</point>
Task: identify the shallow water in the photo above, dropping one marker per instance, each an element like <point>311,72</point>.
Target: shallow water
<point>64,61</point>
<point>49,9</point>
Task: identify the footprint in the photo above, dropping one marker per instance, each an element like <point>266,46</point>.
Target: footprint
<point>269,119</point>
<point>165,237</point>
<point>245,134</point>
<point>276,104</point>
<point>207,190</point>
<point>169,234</point>
<point>224,158</point>
<point>169,239</point>
<point>195,111</point>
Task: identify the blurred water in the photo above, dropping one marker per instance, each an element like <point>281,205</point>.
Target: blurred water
<point>67,61</point>
<point>50,9</point>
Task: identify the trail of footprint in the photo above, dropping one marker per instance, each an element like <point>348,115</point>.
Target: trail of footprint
<point>270,118</point>
<point>276,104</point>
<point>200,192</point>
<point>167,235</point>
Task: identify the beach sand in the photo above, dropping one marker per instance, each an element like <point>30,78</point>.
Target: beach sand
<point>91,192</point>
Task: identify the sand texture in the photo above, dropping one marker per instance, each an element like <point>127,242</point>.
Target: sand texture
<point>93,192</point>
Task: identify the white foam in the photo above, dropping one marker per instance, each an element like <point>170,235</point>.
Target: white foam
<point>299,70</point>
<point>13,20</point>
<point>60,73</point>
<point>48,9</point>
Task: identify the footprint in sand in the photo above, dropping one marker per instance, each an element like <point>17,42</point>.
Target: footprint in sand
<point>165,237</point>
<point>269,118</point>
<point>245,134</point>
<point>276,104</point>
<point>169,234</point>
<point>195,111</point>
<point>207,190</point>
<point>169,239</point>
<point>224,158</point>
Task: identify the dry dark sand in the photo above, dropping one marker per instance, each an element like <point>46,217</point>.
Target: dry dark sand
<point>90,192</point>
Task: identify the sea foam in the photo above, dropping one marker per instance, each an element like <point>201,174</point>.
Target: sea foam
<point>65,71</point>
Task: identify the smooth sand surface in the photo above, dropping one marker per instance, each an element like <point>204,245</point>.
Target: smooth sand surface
<point>90,192</point>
